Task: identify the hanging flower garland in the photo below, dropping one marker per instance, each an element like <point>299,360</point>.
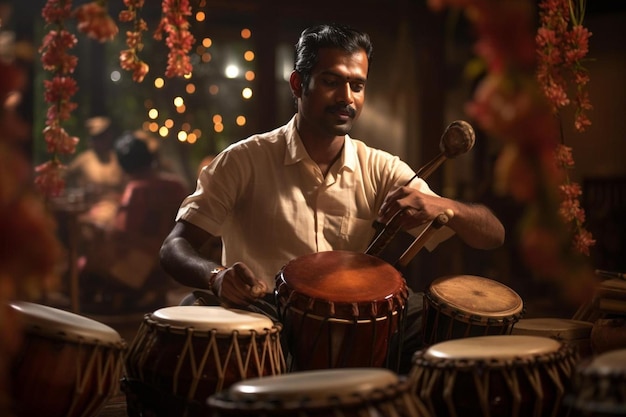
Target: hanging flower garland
<point>510,105</point>
<point>93,20</point>
<point>129,58</point>
<point>179,39</point>
<point>562,45</point>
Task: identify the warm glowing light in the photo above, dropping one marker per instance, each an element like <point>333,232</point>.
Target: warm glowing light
<point>191,138</point>
<point>146,125</point>
<point>181,109</point>
<point>246,93</point>
<point>169,123</point>
<point>218,127</point>
<point>197,133</point>
<point>207,42</point>
<point>185,126</point>
<point>200,50</point>
<point>213,89</point>
<point>182,136</point>
<point>241,120</point>
<point>249,75</point>
<point>206,57</point>
<point>154,127</point>
<point>231,71</point>
<point>153,113</point>
<point>159,82</point>
<point>178,101</point>
<point>248,56</point>
<point>217,118</point>
<point>200,16</point>
<point>187,76</point>
<point>190,88</point>
<point>163,131</point>
<point>246,33</point>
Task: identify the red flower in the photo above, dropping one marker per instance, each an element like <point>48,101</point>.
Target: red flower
<point>95,22</point>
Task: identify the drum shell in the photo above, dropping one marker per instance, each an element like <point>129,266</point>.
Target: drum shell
<point>161,376</point>
<point>575,333</point>
<point>353,329</point>
<point>445,321</point>
<point>68,365</point>
<point>494,387</point>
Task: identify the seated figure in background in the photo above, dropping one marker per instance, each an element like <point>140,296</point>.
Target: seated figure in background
<point>121,269</point>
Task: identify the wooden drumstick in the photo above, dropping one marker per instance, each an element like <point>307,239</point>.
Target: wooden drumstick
<point>426,234</point>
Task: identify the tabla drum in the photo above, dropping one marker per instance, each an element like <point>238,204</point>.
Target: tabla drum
<point>599,386</point>
<point>363,392</point>
<point>68,365</point>
<point>494,375</point>
<point>340,309</point>
<point>458,306</point>
<point>183,354</point>
<point>576,333</point>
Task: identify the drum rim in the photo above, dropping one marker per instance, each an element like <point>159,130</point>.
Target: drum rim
<point>50,322</point>
<point>562,328</point>
<point>254,322</point>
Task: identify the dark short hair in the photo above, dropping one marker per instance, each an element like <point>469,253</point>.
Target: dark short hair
<point>133,153</point>
<point>327,36</point>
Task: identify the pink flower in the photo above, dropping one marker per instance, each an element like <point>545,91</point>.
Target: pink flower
<point>50,178</point>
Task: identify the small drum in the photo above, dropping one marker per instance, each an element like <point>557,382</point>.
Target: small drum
<point>68,365</point>
<point>599,387</point>
<point>576,333</point>
<point>466,305</point>
<point>340,309</point>
<point>496,375</point>
<point>183,354</point>
<point>355,392</point>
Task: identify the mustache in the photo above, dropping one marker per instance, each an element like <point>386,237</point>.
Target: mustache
<point>341,108</point>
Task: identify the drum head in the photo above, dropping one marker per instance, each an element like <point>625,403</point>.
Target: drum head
<point>60,324</point>
<point>223,320</point>
<point>346,276</point>
<point>314,385</point>
<point>559,328</point>
<point>500,347</point>
<point>608,363</point>
<point>476,296</point>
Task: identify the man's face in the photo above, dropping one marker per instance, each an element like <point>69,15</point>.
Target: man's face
<point>336,92</point>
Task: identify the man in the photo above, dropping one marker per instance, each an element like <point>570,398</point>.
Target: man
<point>306,186</point>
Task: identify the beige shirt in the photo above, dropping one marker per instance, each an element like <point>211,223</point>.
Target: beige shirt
<point>269,202</point>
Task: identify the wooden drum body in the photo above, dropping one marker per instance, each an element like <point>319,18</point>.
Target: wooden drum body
<point>362,392</point>
<point>68,366</point>
<point>183,354</point>
<point>340,309</point>
<point>493,376</point>
<point>466,305</point>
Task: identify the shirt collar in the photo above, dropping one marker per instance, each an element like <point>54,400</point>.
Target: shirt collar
<point>296,152</point>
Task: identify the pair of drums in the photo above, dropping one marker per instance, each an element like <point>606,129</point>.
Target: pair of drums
<point>181,355</point>
<point>68,365</point>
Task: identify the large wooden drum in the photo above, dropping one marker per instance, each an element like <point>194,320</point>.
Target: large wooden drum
<point>347,392</point>
<point>68,366</point>
<point>494,376</point>
<point>458,306</point>
<point>183,354</point>
<point>340,309</point>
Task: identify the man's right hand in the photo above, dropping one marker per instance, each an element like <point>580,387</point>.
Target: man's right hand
<point>237,286</point>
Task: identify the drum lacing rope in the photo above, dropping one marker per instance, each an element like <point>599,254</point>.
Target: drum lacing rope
<point>113,364</point>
